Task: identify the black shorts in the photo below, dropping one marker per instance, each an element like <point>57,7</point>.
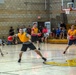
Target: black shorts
<point>34,38</point>
<point>25,46</point>
<point>72,42</point>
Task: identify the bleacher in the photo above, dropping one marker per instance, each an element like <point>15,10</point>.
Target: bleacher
<point>60,41</point>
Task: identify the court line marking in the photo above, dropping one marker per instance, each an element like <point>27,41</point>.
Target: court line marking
<point>46,66</point>
<point>53,58</point>
<point>8,73</point>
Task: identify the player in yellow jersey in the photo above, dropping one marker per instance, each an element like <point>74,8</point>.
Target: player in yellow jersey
<point>71,36</point>
<point>34,35</point>
<point>25,38</point>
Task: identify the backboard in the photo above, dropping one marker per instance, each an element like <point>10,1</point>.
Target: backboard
<point>68,4</point>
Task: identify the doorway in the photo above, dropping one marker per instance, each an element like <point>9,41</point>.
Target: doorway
<point>40,26</point>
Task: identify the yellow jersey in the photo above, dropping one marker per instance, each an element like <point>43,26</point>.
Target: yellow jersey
<point>34,31</point>
<point>72,32</point>
<point>23,37</point>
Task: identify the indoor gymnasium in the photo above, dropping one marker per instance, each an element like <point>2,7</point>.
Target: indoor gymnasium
<point>37,37</point>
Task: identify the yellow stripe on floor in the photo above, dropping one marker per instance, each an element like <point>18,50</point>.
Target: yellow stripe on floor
<point>71,62</point>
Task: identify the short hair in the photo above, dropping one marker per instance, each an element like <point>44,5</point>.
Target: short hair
<point>11,27</point>
<point>34,23</point>
<point>20,28</point>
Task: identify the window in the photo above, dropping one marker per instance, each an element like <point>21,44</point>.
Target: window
<point>1,1</point>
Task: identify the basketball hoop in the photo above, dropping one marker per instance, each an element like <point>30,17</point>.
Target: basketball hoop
<point>67,11</point>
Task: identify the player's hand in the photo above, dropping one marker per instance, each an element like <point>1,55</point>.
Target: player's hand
<point>30,41</point>
<point>39,34</point>
<point>68,37</point>
<point>71,37</point>
<point>74,37</point>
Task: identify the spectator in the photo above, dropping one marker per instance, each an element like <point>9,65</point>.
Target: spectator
<point>62,25</point>
<point>11,31</point>
<point>53,33</point>
<point>28,30</point>
<point>63,33</point>
<point>45,34</point>
<point>58,31</point>
<point>18,29</point>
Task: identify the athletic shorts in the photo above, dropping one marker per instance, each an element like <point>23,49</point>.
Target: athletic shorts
<point>25,46</point>
<point>46,35</point>
<point>72,42</point>
<point>34,38</point>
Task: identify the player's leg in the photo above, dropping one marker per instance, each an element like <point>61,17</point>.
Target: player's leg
<point>46,39</point>
<point>38,44</point>
<point>32,47</point>
<point>39,53</point>
<point>20,56</point>
<point>42,39</point>
<point>36,39</point>
<point>69,44</point>
<point>66,49</point>
<point>23,49</point>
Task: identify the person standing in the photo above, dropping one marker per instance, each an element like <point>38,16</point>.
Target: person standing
<point>28,30</point>
<point>11,33</point>
<point>25,38</point>
<point>45,34</point>
<point>62,25</point>
<point>34,35</point>
<point>71,35</point>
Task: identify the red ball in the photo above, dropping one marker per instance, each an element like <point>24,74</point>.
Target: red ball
<point>71,37</point>
<point>10,38</point>
<point>39,34</point>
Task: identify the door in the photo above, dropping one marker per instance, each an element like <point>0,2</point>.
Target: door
<point>40,26</point>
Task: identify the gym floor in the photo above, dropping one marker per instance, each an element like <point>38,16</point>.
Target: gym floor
<point>32,64</point>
